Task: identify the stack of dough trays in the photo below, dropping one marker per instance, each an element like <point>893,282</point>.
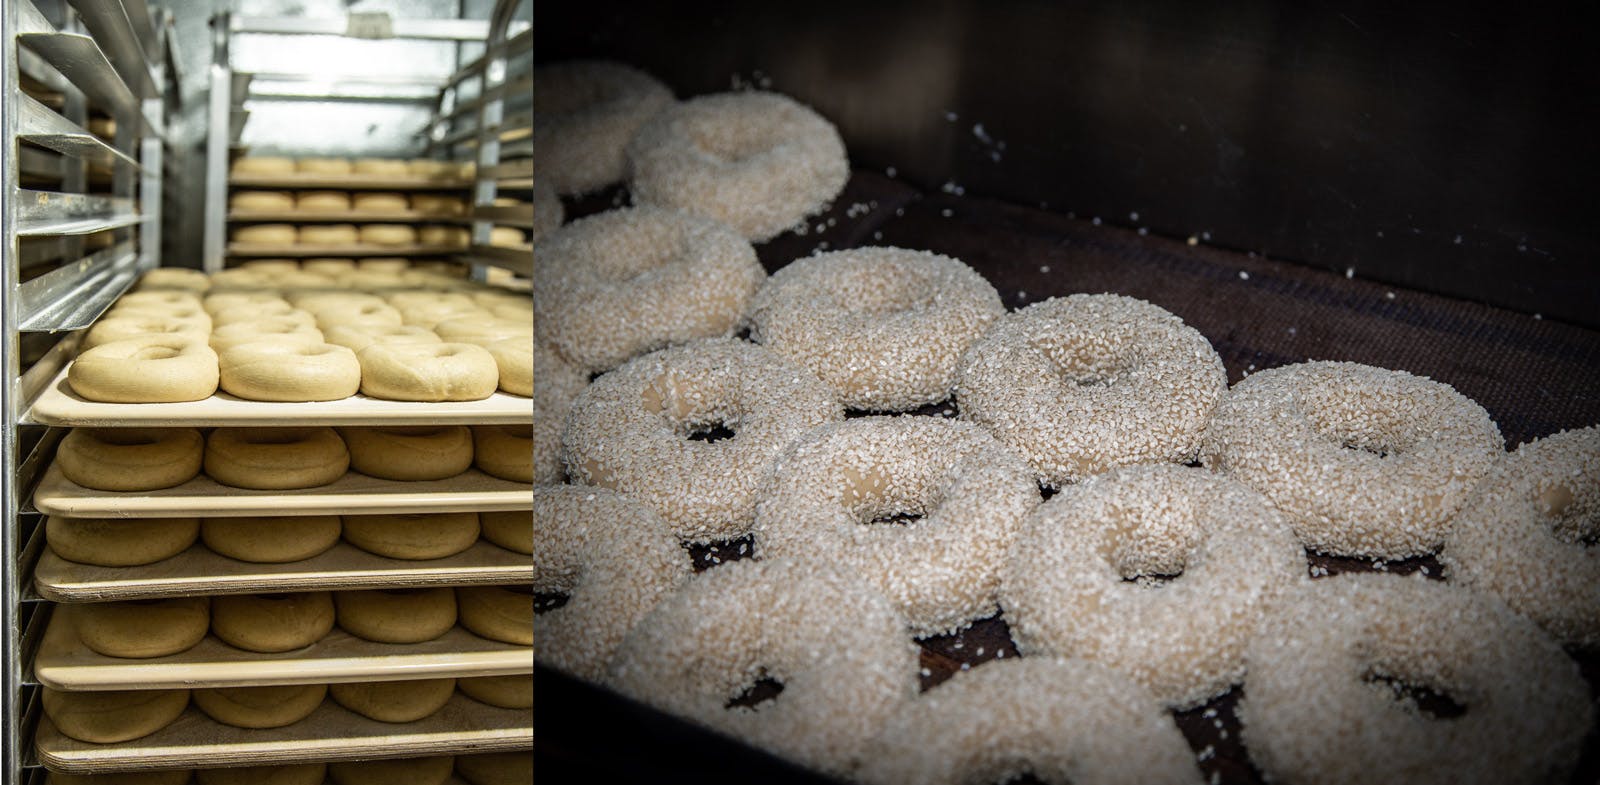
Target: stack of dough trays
<point>301,249</point>
<point>331,733</point>
<point>347,182</point>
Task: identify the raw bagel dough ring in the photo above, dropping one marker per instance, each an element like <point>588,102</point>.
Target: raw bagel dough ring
<point>278,329</point>
<point>272,706</point>
<point>323,201</point>
<point>141,629</point>
<point>130,459</point>
<point>322,166</point>
<point>443,236</point>
<point>188,315</point>
<point>111,716</point>
<point>394,701</point>
<point>379,202</point>
<point>1317,711</point>
<point>437,204</point>
<point>266,234</point>
<point>386,167</point>
<point>356,313</point>
<point>263,201</point>
<point>506,692</point>
<point>217,302</point>
<point>328,265</point>
<point>263,164</point>
<point>276,458</point>
<point>507,237</point>
<point>272,622</point>
<point>329,234</point>
<point>430,314</point>
<point>254,313</point>
<point>884,327</point>
<point>396,615</point>
<point>611,556</point>
<point>1162,572</point>
<point>110,329</point>
<point>163,298</point>
<point>1084,383</point>
<point>434,169</point>
<point>413,536</point>
<point>509,529</point>
<point>154,369</point>
<point>514,358</point>
<point>497,613</point>
<point>484,331</point>
<point>119,542</point>
<point>1363,461</point>
<point>759,162</point>
<point>428,372</point>
<point>504,451</point>
<point>388,234</point>
<point>356,337</point>
<point>406,771</point>
<point>588,112</point>
<point>838,647</point>
<point>496,768</point>
<point>411,452</point>
<point>173,278</point>
<point>625,282</point>
<point>967,493</point>
<point>313,300</point>
<point>271,540</point>
<point>383,264</point>
<point>1522,537</point>
<point>629,431</point>
<point>288,371</point>
<point>285,774</point>
<point>270,267</point>
<point>1060,720</point>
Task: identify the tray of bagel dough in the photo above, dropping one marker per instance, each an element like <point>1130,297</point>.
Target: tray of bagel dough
<point>58,405</point>
<point>348,182</point>
<point>334,250</point>
<point>329,733</point>
<point>199,570</point>
<point>352,494</point>
<point>347,216</point>
<point>63,662</point>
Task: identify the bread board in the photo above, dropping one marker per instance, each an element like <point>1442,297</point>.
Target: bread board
<point>331,733</point>
<point>59,406</point>
<point>63,663</point>
<point>199,570</point>
<point>352,494</point>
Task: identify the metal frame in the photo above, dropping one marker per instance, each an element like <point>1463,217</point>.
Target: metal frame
<point>111,55</point>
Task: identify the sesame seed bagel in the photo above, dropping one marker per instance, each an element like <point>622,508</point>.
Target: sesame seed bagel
<point>616,285</point>
<point>885,327</point>
<point>1083,383</point>
<point>560,383</point>
<point>1528,537</point>
<point>631,430</point>
<point>1364,461</point>
<point>1060,720</point>
<point>612,557</point>
<point>838,493</point>
<point>588,111</point>
<point>838,648</point>
<point>1162,572</point>
<point>548,212</point>
<point>1317,708</point>
<point>759,162</point>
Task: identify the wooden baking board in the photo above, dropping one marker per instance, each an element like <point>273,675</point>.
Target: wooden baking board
<point>63,663</point>
<point>338,251</point>
<point>347,182</point>
<point>331,733</point>
<point>352,494</point>
<point>58,405</point>
<point>199,570</point>
<point>346,216</point>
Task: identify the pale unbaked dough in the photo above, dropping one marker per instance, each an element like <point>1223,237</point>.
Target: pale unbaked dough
<point>271,540</point>
<point>119,542</point>
<point>107,717</point>
<point>272,622</point>
<point>394,701</point>
<point>140,629</point>
<point>272,706</point>
<point>396,615</point>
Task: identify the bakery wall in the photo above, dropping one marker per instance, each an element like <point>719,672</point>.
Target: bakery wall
<point>1435,145</point>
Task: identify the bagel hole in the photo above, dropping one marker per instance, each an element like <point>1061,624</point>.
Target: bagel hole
<point>704,556</point>
<point>1372,448</point>
<point>896,518</point>
<point>274,597</point>
<point>714,431</point>
<point>1024,777</point>
<point>1086,369</point>
<point>763,689</point>
<point>155,353</point>
<point>883,289</point>
<point>1570,519</point>
<point>544,602</point>
<point>1419,698</point>
<point>1153,580</point>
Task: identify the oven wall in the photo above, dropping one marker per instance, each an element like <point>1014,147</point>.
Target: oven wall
<point>1433,145</point>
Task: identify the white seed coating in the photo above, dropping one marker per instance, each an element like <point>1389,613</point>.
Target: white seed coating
<point>885,327</point>
<point>1522,537</point>
<point>838,648</point>
<point>1059,720</point>
<point>1364,461</point>
<point>613,557</point>
<point>588,112</point>
<point>616,285</point>
<point>1083,579</point>
<point>556,384</point>
<point>760,162</point>
<point>941,571</point>
<point>548,213</point>
<point>629,429</point>
<point>1312,712</point>
<point>1084,383</point>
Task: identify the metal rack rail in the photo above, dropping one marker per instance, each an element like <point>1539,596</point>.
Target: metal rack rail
<point>81,218</point>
